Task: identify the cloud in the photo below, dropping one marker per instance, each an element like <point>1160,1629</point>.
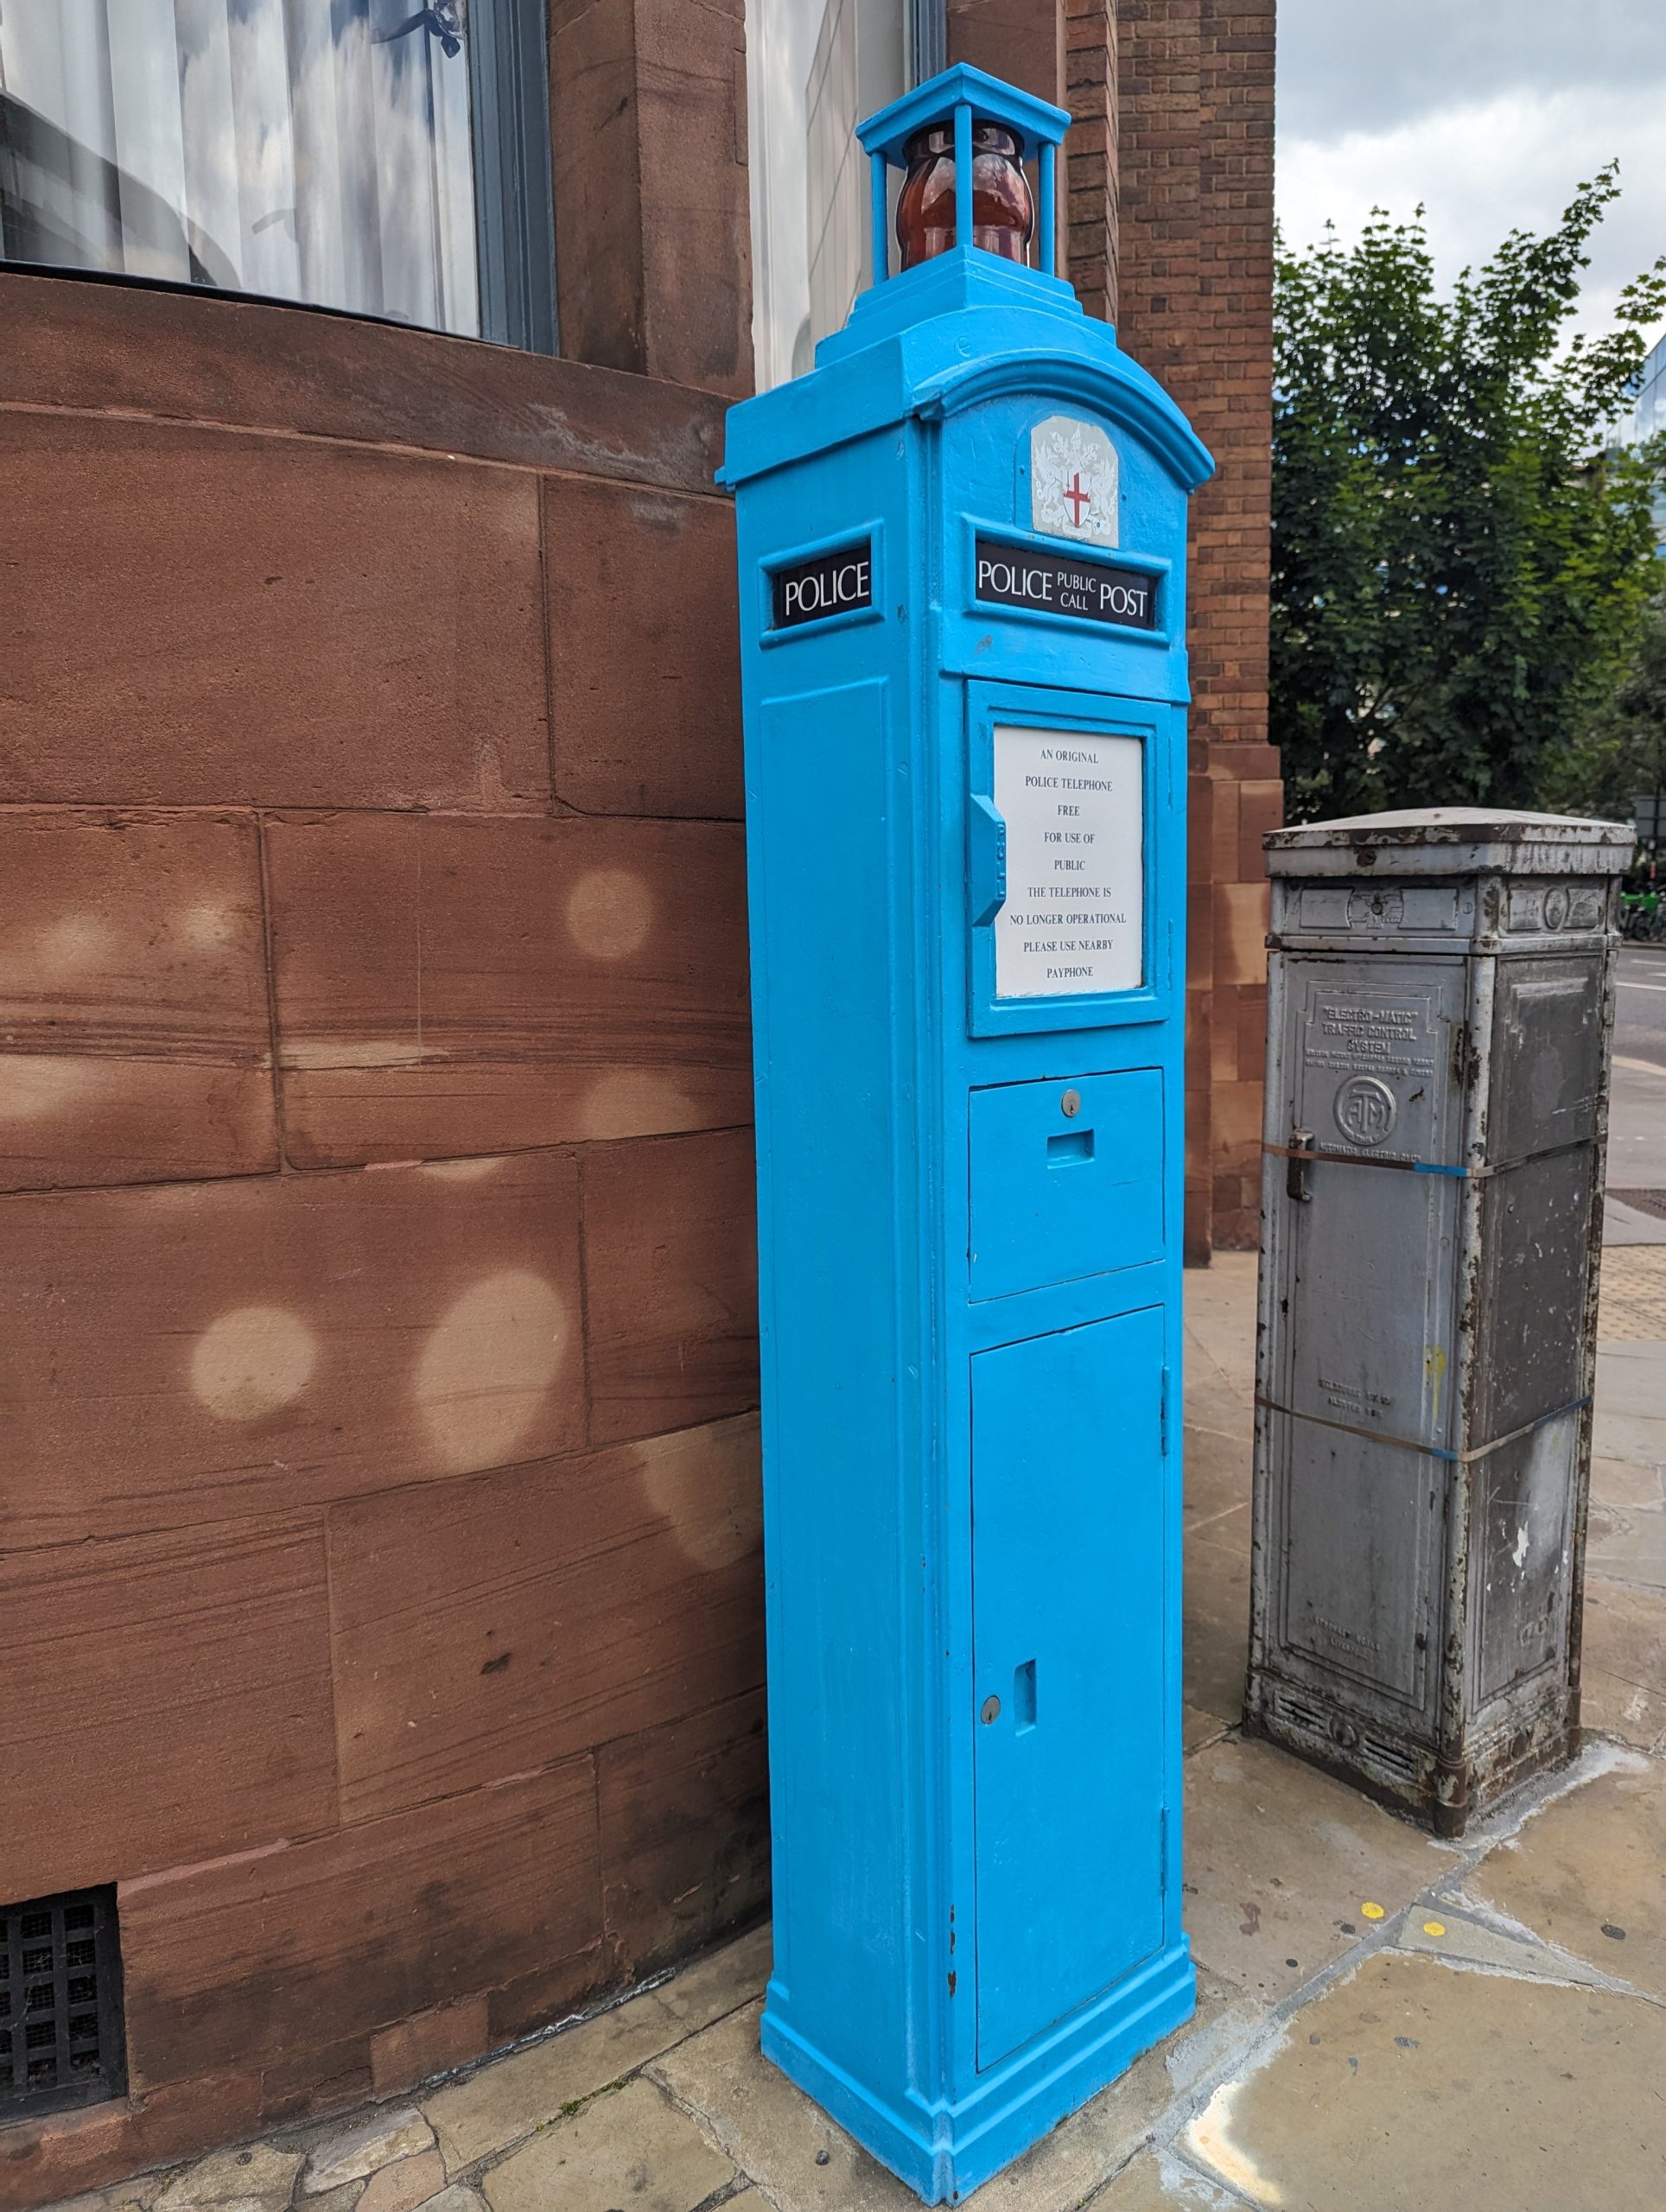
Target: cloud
<point>1488,118</point>
<point>1350,66</point>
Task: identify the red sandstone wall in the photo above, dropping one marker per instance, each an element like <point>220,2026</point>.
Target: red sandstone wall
<point>379,1587</point>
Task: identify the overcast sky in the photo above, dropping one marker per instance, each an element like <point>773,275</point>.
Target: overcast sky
<point>1489,112</point>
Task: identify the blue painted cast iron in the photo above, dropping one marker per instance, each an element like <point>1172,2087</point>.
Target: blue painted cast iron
<point>963,581</point>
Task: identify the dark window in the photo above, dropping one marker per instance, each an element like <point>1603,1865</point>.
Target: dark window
<point>379,156</point>
<point>61,2003</point>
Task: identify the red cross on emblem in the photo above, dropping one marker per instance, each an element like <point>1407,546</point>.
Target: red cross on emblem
<point>1078,498</point>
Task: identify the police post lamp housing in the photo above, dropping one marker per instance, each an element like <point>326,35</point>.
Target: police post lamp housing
<point>962,544</point>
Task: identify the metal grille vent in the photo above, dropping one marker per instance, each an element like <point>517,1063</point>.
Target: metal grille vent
<point>61,2003</point>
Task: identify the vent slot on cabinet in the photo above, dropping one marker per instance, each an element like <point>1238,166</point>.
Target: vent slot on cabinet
<point>61,2003</point>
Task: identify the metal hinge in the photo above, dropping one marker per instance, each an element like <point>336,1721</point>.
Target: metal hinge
<point>1164,1416</point>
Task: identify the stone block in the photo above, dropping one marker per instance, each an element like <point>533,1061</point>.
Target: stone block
<point>672,1282</point>
<point>684,1812</point>
<point>208,617</point>
<point>167,1700</point>
<point>132,999</point>
<point>531,1612</point>
<point>214,358</point>
<point>633,2147</point>
<point>644,651</point>
<point>363,2145</point>
<point>414,2050</point>
<point>446,986</point>
<point>290,1338</point>
<point>1261,811</point>
<point>403,2185</point>
<point>1241,913</point>
<point>354,1931</point>
<point>261,2175</point>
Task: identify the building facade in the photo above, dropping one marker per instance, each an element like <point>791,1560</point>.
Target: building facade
<point>380,1606</point>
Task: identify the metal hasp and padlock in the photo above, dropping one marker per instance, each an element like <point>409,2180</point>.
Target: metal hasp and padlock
<point>1439,1011</point>
<point>962,546</point>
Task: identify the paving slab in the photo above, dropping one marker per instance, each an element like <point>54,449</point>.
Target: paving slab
<point>1627,1544</point>
<point>632,2148</point>
<point>1281,1862</point>
<point>1623,1674</point>
<point>1156,2182</point>
<point>1215,1611</point>
<point>1217,1468</point>
<point>719,1982</point>
<point>1627,1481</point>
<point>405,2184</point>
<point>1588,1873</point>
<point>775,2134</point>
<point>1444,1932</point>
<point>510,2097</point>
<point>258,2174</point>
<point>457,2198</point>
<point>349,2152</point>
<point>1631,1377</point>
<point>1414,2085</point>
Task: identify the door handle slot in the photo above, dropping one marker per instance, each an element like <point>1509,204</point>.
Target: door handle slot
<point>1298,1172</point>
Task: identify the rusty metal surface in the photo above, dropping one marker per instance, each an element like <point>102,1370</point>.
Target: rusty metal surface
<point>1440,1006</point>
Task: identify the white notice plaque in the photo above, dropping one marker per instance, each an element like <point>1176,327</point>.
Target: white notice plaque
<point>1074,917</point>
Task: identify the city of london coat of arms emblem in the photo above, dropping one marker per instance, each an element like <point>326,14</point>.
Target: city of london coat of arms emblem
<point>1073,480</point>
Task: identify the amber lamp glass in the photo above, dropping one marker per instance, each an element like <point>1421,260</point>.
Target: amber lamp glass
<point>1003,213</point>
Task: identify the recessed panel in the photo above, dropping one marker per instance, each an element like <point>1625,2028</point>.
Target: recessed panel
<point>1354,1523</point>
<point>1067,1179</point>
<point>1068,1639</point>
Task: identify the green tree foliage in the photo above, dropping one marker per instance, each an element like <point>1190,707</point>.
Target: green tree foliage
<point>1621,751</point>
<point>1458,568</point>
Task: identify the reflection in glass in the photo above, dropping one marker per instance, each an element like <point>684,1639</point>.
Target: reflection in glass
<point>814,68</point>
<point>305,150</point>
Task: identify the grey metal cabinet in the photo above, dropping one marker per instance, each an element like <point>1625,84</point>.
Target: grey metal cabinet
<point>1440,1009</point>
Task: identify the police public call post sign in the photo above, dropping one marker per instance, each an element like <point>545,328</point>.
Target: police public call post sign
<point>1061,584</point>
<point>962,546</point>
<point>826,583</point>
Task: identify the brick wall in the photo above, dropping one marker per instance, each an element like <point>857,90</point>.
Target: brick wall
<point>380,1601</point>
<point>1194,284</point>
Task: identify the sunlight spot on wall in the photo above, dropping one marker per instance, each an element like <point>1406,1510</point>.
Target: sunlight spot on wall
<point>252,1361</point>
<point>209,926</point>
<point>34,1084</point>
<point>462,1171</point>
<point>59,952</point>
<point>486,1367</point>
<point>633,1103</point>
<point>609,913</point>
<point>708,1486</point>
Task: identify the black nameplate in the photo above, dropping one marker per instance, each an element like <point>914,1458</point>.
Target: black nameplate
<point>1065,583</point>
<point>831,584</point>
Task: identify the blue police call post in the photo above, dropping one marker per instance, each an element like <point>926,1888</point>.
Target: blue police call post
<point>963,592</point>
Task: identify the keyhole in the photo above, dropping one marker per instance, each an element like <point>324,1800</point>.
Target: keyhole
<point>991,1710</point>
<point>1071,1104</point>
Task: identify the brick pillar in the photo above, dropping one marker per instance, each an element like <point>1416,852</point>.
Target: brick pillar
<point>1194,291</point>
